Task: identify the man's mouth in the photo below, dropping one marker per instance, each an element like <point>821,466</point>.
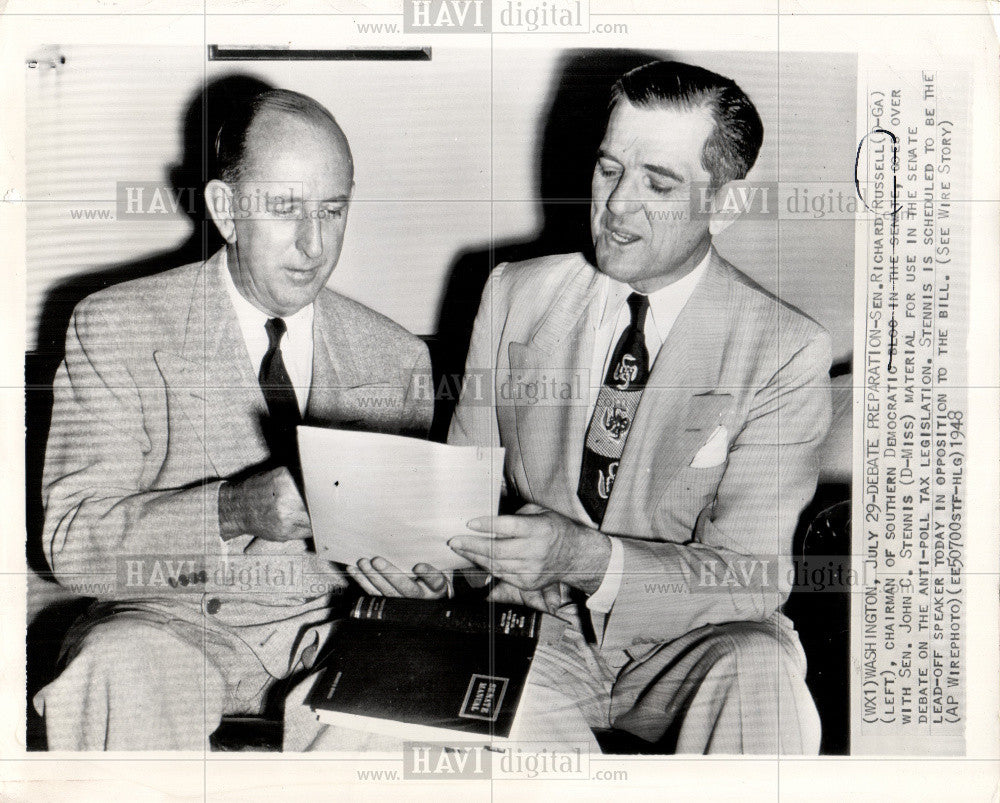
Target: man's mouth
<point>622,237</point>
<point>302,272</point>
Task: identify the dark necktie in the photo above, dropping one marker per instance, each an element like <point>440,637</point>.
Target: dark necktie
<point>282,405</point>
<point>614,412</point>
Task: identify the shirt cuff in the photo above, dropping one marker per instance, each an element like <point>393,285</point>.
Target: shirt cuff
<point>602,599</point>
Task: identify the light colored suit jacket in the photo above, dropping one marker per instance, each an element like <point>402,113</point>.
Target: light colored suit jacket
<point>741,384</point>
<point>156,403</point>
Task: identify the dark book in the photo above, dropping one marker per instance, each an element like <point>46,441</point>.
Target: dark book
<point>429,669</point>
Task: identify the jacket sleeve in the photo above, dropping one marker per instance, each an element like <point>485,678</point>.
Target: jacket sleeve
<point>99,458</point>
<point>475,419</point>
<point>418,403</point>
<point>737,564</point>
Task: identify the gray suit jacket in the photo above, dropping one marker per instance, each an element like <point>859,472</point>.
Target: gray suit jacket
<point>696,537</point>
<point>156,403</point>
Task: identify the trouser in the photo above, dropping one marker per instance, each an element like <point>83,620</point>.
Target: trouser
<point>133,683</point>
<point>737,687</point>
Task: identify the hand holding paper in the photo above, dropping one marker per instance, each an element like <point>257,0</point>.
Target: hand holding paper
<point>397,498</point>
<point>536,548</point>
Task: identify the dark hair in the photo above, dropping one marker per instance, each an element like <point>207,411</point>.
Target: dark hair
<point>731,149</point>
<point>231,138</point>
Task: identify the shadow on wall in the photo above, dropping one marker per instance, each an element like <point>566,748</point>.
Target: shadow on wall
<point>205,113</point>
<point>568,142</point>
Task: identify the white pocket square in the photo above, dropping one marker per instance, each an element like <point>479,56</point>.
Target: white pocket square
<point>715,450</point>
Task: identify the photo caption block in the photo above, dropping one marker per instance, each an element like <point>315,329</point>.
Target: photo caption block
<point>908,634</point>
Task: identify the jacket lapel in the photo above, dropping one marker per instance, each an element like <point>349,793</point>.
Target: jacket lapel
<point>212,380</point>
<point>680,405</point>
<point>551,433</point>
<point>335,366</point>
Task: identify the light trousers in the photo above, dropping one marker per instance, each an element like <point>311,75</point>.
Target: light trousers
<point>132,684</point>
<point>732,688</point>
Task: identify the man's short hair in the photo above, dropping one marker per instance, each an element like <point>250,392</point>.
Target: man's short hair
<point>731,149</point>
<point>232,137</point>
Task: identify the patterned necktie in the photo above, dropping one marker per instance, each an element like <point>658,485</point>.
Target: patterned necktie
<point>282,404</point>
<point>613,414</point>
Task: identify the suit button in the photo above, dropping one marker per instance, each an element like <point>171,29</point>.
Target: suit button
<point>213,605</point>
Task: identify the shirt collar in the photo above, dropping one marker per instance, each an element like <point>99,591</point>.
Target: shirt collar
<point>252,320</point>
<point>664,304</point>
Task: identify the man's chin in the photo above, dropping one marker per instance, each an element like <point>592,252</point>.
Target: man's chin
<point>301,288</point>
<point>290,303</point>
<point>621,270</point>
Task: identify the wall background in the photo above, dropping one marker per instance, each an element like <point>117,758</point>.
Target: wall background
<point>452,158</point>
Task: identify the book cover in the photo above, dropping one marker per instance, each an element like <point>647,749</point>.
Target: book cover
<point>424,668</point>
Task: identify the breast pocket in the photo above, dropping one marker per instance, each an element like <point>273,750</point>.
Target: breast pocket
<point>703,458</point>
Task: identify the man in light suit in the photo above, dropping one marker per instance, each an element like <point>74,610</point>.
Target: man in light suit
<point>666,498</point>
<point>170,467</point>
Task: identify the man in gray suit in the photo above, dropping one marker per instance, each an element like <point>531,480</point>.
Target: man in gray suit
<point>171,465</point>
<point>666,499</point>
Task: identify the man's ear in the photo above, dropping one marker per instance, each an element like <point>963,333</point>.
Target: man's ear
<point>730,201</point>
<point>219,200</point>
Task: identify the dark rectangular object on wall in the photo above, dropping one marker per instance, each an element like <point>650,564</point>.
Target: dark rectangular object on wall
<point>264,53</point>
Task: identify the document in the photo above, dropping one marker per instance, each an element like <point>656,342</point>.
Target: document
<point>394,497</point>
<point>871,207</point>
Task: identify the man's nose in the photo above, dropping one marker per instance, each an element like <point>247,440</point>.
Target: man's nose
<point>623,199</point>
<point>310,236</point>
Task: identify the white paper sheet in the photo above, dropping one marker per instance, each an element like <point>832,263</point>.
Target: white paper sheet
<point>398,498</point>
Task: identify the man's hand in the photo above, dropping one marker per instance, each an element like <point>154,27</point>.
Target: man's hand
<point>380,578</point>
<point>537,548</point>
<point>266,505</point>
<point>549,599</point>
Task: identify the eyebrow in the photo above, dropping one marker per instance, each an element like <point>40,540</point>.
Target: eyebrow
<point>603,154</point>
<point>666,172</point>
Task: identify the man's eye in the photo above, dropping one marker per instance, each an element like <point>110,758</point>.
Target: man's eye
<point>608,170</point>
<point>661,189</point>
<point>286,210</point>
<point>332,212</point>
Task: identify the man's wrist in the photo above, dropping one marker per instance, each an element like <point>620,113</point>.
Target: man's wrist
<point>593,555</point>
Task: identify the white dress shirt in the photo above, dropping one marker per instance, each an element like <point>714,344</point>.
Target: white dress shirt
<point>664,306</point>
<point>296,344</point>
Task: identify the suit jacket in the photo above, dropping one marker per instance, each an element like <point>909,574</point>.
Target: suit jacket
<point>696,537</point>
<point>156,403</point>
